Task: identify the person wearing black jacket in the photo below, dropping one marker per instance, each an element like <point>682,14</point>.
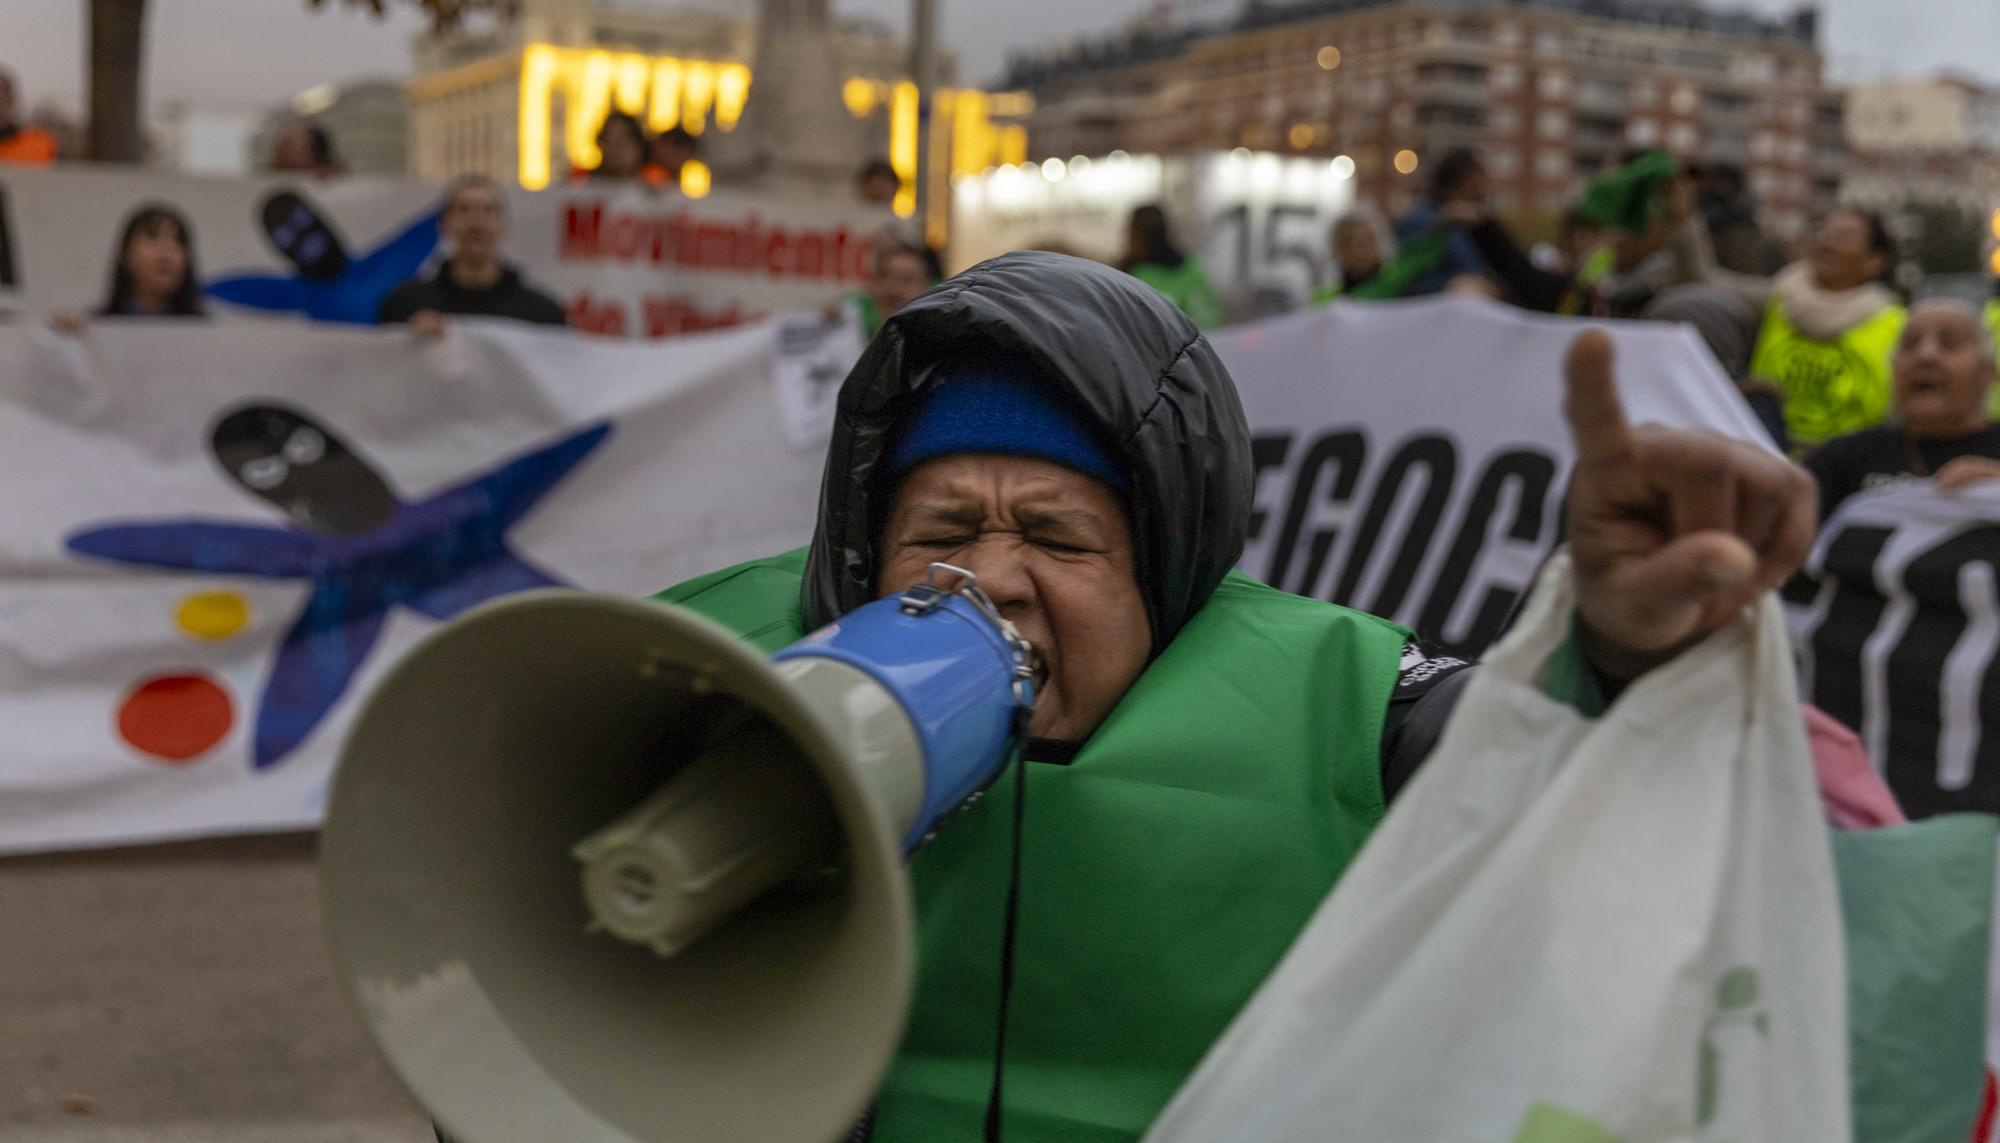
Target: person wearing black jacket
<point>474,281</point>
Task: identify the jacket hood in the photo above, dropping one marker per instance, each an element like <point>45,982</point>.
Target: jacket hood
<point>1117,351</point>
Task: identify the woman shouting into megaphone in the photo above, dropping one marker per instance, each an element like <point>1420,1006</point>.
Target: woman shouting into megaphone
<point>1207,753</point>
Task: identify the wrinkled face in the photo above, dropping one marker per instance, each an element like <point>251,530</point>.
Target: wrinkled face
<point>1356,249</point>
<point>156,257</point>
<point>475,222</point>
<point>1841,256</point>
<point>1052,548</point>
<point>899,277</point>
<point>624,152</point>
<point>1943,369</point>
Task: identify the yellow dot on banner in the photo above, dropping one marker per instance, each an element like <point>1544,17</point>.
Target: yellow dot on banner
<point>213,614</point>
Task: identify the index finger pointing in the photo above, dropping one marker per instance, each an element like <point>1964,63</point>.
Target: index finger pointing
<point>1596,416</point>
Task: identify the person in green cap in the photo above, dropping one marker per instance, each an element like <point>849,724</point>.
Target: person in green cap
<point>1153,257</point>
<point>1206,754</point>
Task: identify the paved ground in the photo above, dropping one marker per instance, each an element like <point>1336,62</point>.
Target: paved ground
<point>181,993</point>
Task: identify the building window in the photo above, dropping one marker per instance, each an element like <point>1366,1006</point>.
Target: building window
<point>1552,165</point>
<point>1644,92</point>
<point>1552,124</point>
<point>1504,162</point>
<point>1548,42</point>
<point>1685,100</point>
<point>1643,133</point>
<point>1505,120</point>
<point>1554,85</point>
<point>1683,138</point>
<point>1507,35</point>
<point>1504,77</point>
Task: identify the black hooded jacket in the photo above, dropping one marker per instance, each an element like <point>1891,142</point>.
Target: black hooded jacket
<point>1120,352</point>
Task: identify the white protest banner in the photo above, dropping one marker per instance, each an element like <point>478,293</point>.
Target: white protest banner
<point>216,539</point>
<point>1897,623</point>
<point>213,539</point>
<point>625,260</point>
<point>1412,456</point>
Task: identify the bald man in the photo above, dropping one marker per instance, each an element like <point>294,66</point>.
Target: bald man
<point>1942,371</point>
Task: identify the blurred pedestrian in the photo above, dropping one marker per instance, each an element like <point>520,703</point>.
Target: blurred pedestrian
<point>1731,217</point>
<point>1944,371</point>
<point>153,271</point>
<point>1153,257</point>
<point>672,149</point>
<point>877,182</point>
<point>19,143</point>
<point>1729,329</point>
<point>1457,192</point>
<point>901,269</point>
<point>1358,248</point>
<point>622,149</point>
<point>1831,322</point>
<point>304,147</point>
<point>474,281</point>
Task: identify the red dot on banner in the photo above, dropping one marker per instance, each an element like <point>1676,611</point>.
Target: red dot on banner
<point>175,718</point>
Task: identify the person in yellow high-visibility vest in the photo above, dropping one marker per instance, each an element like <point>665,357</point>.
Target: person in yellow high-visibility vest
<point>1830,324</point>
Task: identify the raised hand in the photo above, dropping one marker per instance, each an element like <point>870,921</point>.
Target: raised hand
<point>1672,531</point>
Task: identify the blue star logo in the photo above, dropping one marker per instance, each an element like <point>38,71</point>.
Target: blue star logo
<point>331,284</point>
<point>360,548</point>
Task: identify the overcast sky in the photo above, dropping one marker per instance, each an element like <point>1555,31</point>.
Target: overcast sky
<point>237,54</point>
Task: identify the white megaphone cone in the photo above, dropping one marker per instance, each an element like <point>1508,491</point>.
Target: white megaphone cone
<point>732,957</point>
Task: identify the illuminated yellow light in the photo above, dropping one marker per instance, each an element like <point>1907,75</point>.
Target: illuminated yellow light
<point>1342,166</point>
<point>1301,136</point>
<point>969,142</point>
<point>1406,161</point>
<point>663,112</point>
<point>589,98</point>
<point>1014,145</point>
<point>859,95</point>
<point>630,74</point>
<point>1328,58</point>
<point>695,179</point>
<point>1995,263</point>
<point>1013,104</point>
<point>698,95</point>
<point>1994,223</point>
<point>732,89</point>
<point>538,78</point>
<point>903,146</point>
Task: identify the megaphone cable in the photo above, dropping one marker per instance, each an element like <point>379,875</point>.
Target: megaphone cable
<point>1007,933</point>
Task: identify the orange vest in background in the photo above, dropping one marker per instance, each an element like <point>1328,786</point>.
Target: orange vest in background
<point>29,145</point>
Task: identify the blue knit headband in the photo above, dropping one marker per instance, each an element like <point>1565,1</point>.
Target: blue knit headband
<point>988,411</point>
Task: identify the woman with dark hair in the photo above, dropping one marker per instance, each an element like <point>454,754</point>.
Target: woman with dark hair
<point>152,271</point>
<point>1153,257</point>
<point>622,148</point>
<point>1830,326</point>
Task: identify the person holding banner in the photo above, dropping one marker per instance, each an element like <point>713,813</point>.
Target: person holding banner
<point>153,273</point>
<point>1207,753</point>
<point>474,281</point>
<point>1831,323</point>
<point>1943,376</point>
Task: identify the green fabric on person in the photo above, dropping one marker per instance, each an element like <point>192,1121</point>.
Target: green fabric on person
<point>1629,198</point>
<point>1917,905</point>
<point>1411,261</point>
<point>1187,286</point>
<point>1165,870</point>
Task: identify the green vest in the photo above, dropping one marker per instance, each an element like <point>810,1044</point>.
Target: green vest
<point>1831,388</point>
<point>1990,316</point>
<point>1164,871</point>
<point>1186,285</point>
